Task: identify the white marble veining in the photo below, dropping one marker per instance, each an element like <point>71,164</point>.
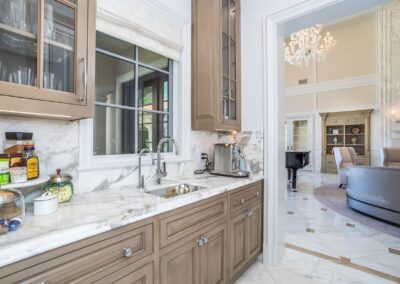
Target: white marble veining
<point>57,145</point>
<point>100,211</point>
<point>365,246</point>
<point>297,267</point>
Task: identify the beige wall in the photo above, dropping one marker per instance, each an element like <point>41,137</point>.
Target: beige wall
<point>354,55</point>
<point>354,98</point>
<point>345,81</point>
<point>299,104</point>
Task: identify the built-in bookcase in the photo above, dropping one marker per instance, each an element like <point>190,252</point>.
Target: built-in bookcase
<point>345,129</point>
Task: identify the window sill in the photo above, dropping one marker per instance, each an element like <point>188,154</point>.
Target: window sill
<point>126,161</point>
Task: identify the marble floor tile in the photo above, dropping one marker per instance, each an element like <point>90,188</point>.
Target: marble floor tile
<point>336,235</point>
<point>300,268</point>
<point>384,262</point>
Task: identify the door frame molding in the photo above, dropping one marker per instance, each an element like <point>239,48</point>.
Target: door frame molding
<point>273,115</point>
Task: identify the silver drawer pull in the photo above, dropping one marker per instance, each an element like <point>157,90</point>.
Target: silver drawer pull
<point>242,200</point>
<point>205,240</point>
<point>249,213</point>
<point>45,282</point>
<point>200,242</point>
<point>127,252</point>
<point>257,194</point>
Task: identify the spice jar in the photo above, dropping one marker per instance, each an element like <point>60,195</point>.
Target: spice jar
<point>31,162</point>
<point>60,185</point>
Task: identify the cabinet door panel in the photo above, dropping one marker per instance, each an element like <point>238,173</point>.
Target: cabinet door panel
<point>238,240</point>
<point>214,257</point>
<point>142,275</point>
<point>255,231</point>
<point>181,266</point>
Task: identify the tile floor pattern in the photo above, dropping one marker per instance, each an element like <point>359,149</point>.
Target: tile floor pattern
<point>300,268</point>
<point>336,235</point>
<point>312,226</point>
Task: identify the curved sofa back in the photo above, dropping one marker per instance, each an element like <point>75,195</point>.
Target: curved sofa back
<point>377,186</point>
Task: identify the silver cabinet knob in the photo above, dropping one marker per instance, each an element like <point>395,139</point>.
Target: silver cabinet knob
<point>257,194</point>
<point>127,252</point>
<point>205,240</point>
<point>249,213</point>
<point>242,200</point>
<point>200,242</point>
<point>45,282</point>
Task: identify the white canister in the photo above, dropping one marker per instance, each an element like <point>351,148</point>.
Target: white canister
<point>45,204</point>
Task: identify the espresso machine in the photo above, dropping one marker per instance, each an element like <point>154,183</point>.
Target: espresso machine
<point>229,161</point>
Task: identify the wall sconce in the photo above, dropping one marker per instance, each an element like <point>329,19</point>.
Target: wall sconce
<point>396,116</point>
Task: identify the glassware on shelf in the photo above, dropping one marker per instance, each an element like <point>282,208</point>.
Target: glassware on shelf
<point>19,14</point>
<point>23,76</point>
<point>59,46</point>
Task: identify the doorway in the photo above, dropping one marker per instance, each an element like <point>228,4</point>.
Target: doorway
<point>303,15</point>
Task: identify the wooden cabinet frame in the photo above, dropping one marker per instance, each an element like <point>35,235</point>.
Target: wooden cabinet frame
<point>207,67</point>
<point>37,101</point>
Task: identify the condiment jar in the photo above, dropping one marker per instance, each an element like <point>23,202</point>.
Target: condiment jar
<point>45,204</point>
<point>60,185</point>
<point>12,210</point>
<point>31,162</point>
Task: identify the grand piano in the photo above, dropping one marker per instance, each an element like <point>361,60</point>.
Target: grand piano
<point>296,160</point>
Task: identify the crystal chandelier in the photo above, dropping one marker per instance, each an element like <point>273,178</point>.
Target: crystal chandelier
<point>306,44</point>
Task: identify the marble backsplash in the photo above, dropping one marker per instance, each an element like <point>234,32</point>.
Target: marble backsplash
<point>57,145</point>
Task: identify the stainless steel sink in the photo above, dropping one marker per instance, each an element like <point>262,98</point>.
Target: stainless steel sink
<point>175,190</point>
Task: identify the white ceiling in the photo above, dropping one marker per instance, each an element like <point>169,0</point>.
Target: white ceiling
<point>344,9</point>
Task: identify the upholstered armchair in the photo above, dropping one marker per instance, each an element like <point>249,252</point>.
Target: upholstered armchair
<point>390,157</point>
<point>345,157</point>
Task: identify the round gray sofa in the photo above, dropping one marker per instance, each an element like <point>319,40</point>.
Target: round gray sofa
<point>375,191</point>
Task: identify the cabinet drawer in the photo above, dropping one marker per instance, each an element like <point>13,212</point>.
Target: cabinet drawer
<point>129,275</point>
<point>241,199</point>
<point>94,261</point>
<point>183,222</point>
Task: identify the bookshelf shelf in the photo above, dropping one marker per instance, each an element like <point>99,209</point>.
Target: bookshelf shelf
<point>345,129</point>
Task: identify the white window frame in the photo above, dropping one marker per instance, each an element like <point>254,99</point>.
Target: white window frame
<point>181,121</point>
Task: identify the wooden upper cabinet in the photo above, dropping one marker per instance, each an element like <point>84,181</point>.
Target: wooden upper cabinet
<point>47,58</point>
<point>216,74</point>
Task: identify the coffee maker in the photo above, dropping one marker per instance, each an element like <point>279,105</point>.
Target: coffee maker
<point>229,161</point>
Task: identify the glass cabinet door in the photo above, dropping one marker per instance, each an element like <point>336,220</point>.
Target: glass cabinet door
<point>18,41</point>
<point>229,78</point>
<point>39,49</point>
<point>59,46</point>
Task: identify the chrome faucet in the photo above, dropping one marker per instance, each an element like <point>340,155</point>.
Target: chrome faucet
<point>163,172</point>
<point>141,153</point>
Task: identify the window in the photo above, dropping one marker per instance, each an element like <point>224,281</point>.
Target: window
<point>133,101</point>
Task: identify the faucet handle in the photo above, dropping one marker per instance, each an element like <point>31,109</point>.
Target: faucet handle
<point>164,170</point>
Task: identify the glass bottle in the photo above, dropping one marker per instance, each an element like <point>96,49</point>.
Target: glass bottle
<point>31,162</point>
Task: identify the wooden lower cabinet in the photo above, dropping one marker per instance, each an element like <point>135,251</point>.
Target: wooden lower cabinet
<point>245,239</point>
<point>255,231</point>
<point>202,260</point>
<point>166,249</point>
<point>182,265</point>
<point>143,275</point>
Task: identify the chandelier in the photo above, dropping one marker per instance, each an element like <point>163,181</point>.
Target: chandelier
<point>308,44</point>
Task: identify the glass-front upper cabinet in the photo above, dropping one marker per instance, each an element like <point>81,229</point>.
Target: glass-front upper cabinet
<point>230,39</point>
<point>43,50</point>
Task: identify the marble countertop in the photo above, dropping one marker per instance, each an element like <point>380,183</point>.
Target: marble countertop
<point>93,213</point>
